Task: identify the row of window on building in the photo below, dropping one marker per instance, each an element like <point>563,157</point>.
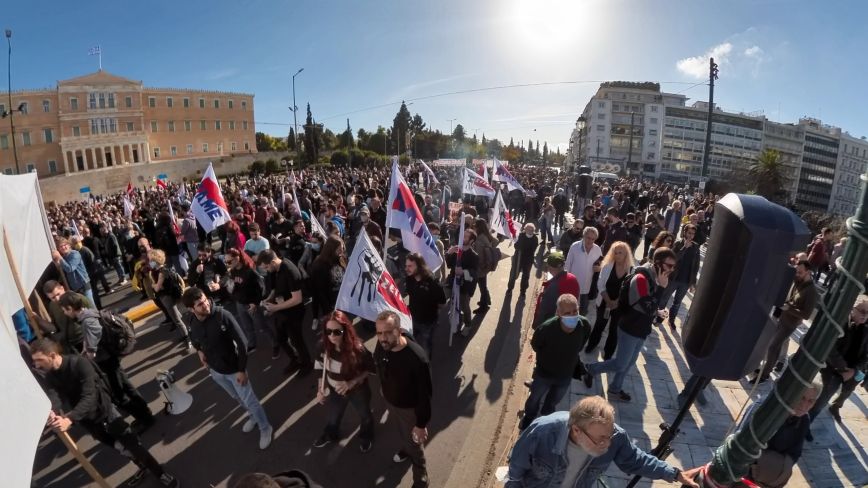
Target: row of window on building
<point>26,138</point>
<point>98,100</point>
<point>31,168</point>
<point>203,125</point>
<point>173,150</point>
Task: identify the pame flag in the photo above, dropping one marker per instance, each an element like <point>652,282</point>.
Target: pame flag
<point>208,204</point>
<point>367,288</point>
<point>403,213</point>
<point>503,175</point>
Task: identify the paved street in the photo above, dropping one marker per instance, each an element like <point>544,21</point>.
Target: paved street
<point>478,394</point>
<point>205,446</point>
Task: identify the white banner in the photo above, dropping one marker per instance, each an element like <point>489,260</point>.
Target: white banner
<point>367,288</point>
<point>449,162</point>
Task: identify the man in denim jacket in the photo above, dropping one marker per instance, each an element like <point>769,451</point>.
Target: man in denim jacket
<point>573,449</point>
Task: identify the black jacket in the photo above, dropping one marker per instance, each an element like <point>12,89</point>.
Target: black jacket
<point>426,295</point>
<point>614,233</point>
<point>80,390</point>
<point>210,269</point>
<point>220,338</point>
<point>851,351</point>
<point>405,379</point>
<point>248,286</point>
<point>525,247</point>
<point>688,263</point>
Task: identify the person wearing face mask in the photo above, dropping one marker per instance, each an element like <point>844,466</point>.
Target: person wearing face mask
<point>522,259</point>
<point>561,282</point>
<point>557,343</point>
<point>638,305</point>
<point>573,449</point>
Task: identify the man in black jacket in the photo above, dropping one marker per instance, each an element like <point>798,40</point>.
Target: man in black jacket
<point>522,259</point>
<point>405,382</point>
<point>82,396</point>
<point>222,349</point>
<point>466,268</point>
<point>684,277</point>
<point>616,231</point>
<point>845,362</point>
<point>209,274</point>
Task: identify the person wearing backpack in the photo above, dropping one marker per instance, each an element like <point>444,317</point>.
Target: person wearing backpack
<point>98,348</point>
<point>168,287</point>
<point>639,302</point>
<point>485,246</point>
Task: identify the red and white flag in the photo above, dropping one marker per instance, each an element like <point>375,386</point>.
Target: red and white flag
<point>476,185</point>
<point>128,208</point>
<point>369,288</point>
<point>175,227</point>
<point>403,213</point>
<point>455,303</point>
<point>503,175</point>
<point>208,207</point>
<point>161,184</point>
<point>130,189</point>
<point>501,220</point>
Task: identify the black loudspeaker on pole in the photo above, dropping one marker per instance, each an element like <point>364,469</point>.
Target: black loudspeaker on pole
<point>745,275</point>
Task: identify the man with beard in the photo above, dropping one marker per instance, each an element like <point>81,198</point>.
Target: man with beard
<point>405,382</point>
<point>573,449</point>
<point>209,274</point>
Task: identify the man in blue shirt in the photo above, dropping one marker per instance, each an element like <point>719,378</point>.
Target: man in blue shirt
<point>573,449</point>
<point>73,267</point>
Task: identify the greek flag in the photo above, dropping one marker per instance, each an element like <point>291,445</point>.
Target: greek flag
<point>94,51</point>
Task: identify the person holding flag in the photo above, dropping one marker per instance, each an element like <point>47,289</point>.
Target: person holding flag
<point>475,184</point>
<point>208,205</point>
<point>464,263</point>
<point>503,175</point>
<point>501,219</point>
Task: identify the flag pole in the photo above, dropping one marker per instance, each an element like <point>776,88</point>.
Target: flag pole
<point>64,436</point>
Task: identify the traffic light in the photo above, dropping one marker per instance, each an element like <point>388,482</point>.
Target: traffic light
<point>744,276</point>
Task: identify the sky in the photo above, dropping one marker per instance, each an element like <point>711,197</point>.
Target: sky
<point>783,59</point>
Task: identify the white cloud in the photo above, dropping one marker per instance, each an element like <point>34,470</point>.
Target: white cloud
<point>754,52</point>
<point>697,66</point>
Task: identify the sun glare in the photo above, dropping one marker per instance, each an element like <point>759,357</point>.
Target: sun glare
<point>550,24</point>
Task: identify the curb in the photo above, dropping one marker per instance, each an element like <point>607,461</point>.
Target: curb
<point>142,311</point>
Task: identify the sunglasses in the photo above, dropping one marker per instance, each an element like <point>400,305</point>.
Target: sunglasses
<point>334,332</point>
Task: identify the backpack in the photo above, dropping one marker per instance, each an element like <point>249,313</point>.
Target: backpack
<point>173,284</point>
<point>624,292</point>
<point>118,333</point>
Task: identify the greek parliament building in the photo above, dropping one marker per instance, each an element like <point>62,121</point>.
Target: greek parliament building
<point>821,163</point>
<point>101,120</point>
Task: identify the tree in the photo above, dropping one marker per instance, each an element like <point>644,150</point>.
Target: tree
<point>767,175</point>
<point>417,125</point>
<point>458,133</point>
<point>290,139</point>
<point>265,142</point>
<point>312,140</point>
<point>511,144</point>
<point>329,139</point>
<point>545,153</point>
<point>346,138</point>
<point>401,128</point>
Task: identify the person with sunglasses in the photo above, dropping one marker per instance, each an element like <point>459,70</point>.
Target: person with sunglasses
<point>346,364</point>
<point>222,349</point>
<point>638,304</point>
<point>574,449</point>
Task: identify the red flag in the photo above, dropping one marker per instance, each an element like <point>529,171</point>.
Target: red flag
<point>161,184</point>
<point>130,189</point>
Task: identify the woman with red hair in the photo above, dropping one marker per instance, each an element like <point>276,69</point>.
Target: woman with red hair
<point>346,364</point>
<point>234,237</point>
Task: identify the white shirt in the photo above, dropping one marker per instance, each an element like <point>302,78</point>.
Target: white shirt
<point>581,263</point>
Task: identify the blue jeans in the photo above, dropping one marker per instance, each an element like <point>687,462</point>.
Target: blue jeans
<point>244,395</point>
<point>547,391</point>
<point>679,289</point>
<point>625,357</point>
<point>336,405</point>
<point>423,332</point>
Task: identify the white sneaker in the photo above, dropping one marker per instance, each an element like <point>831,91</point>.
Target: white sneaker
<point>265,437</point>
<point>248,426</point>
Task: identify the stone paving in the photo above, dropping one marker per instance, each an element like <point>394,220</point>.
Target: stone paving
<point>836,458</point>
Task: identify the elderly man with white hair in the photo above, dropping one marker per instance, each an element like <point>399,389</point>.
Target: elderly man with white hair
<point>583,260</point>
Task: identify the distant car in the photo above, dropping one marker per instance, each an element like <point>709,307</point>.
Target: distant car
<point>605,176</point>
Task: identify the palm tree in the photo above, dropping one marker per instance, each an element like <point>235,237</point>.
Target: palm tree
<point>767,173</point>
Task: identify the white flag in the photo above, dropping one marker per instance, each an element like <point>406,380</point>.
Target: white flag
<point>475,185</point>
<point>501,220</point>
<point>367,288</point>
<point>208,204</point>
<point>430,173</point>
<point>504,176</point>
<point>455,305</point>
<point>403,213</point>
<point>128,208</point>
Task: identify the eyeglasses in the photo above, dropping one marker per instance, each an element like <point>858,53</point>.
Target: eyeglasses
<point>599,442</point>
<point>334,332</point>
<point>669,266</point>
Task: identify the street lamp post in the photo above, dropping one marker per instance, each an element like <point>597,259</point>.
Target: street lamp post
<point>9,93</point>
<point>295,112</point>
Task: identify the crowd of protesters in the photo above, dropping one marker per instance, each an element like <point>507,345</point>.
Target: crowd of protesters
<point>255,278</point>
